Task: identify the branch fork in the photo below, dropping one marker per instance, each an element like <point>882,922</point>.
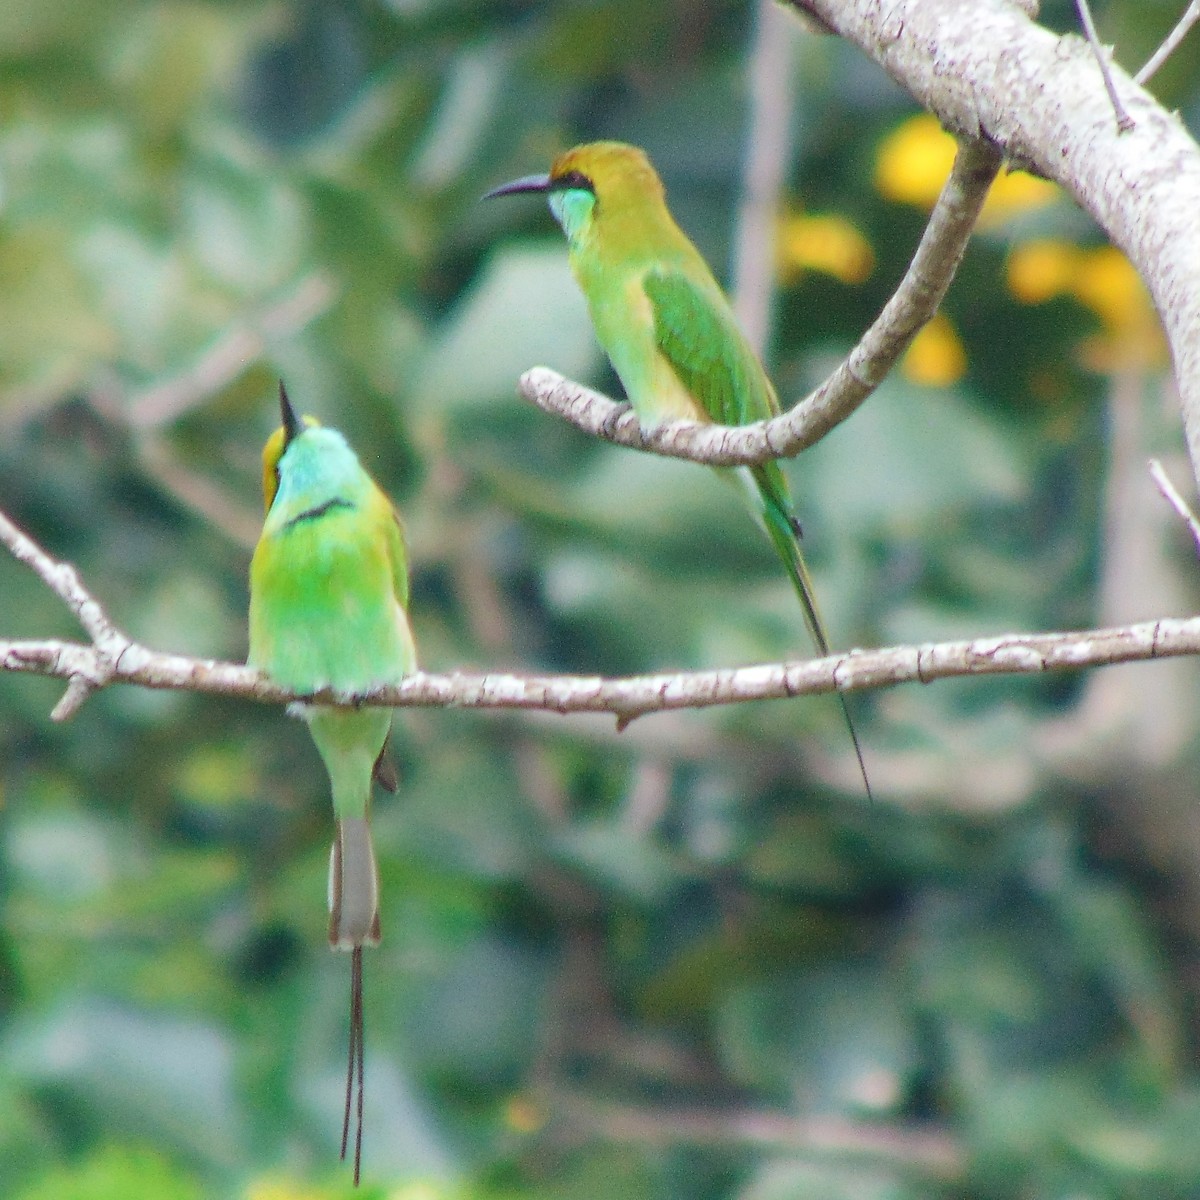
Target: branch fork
<point>84,673</point>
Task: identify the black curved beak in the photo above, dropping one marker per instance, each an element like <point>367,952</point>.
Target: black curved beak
<point>527,183</point>
<point>291,422</point>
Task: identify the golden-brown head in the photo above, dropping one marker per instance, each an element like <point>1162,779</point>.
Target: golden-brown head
<point>607,186</point>
<point>612,171</point>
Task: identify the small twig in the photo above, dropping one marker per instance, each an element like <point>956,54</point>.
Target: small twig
<point>73,699</point>
<point>85,674</point>
<point>915,300</point>
<point>232,353</point>
<point>60,577</point>
<point>1124,121</point>
<point>1169,45</point>
<point>1176,501</point>
<point>634,696</point>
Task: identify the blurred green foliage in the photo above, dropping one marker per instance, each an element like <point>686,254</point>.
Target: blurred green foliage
<point>686,961</point>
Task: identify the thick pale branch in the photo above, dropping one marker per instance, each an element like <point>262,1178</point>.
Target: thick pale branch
<point>915,300</point>
<point>987,70</point>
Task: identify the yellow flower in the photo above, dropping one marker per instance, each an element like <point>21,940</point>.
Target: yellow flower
<point>1101,279</point>
<point>1042,269</point>
<point>1107,283</point>
<point>523,1115</point>
<point>829,244</point>
<point>1014,193</point>
<point>936,357</point>
<point>913,162</point>
<point>915,159</point>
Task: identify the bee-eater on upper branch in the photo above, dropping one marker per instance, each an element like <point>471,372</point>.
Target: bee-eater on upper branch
<point>667,327</point>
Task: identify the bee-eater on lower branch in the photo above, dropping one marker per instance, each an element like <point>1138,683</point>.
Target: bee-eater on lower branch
<point>667,327</point>
<point>328,609</point>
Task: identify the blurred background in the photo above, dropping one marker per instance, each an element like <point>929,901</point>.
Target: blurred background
<point>683,961</point>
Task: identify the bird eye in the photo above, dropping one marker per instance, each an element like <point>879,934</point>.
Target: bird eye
<point>572,180</point>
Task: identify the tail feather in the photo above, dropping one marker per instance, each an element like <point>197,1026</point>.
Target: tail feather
<point>353,924</point>
<point>786,541</point>
<point>784,533</point>
<point>353,887</point>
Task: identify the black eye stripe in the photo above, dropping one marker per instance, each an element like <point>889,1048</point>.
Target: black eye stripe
<point>572,180</point>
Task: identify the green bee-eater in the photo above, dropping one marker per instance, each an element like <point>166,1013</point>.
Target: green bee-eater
<point>667,327</point>
<point>328,609</point>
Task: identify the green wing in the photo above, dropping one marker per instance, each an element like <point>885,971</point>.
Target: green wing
<point>697,333</point>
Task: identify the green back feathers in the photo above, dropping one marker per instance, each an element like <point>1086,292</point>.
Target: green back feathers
<point>696,332</point>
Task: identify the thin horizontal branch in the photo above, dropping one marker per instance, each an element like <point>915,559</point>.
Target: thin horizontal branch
<point>928,1152</point>
<point>914,302</point>
<point>113,657</point>
<point>635,695</point>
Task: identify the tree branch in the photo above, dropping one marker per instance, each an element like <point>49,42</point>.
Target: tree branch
<point>85,668</point>
<point>113,657</point>
<point>915,300</point>
<point>931,1153</point>
<point>1124,121</point>
<point>1170,42</point>
<point>633,695</point>
<point>987,70</point>
<point>1171,494</point>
